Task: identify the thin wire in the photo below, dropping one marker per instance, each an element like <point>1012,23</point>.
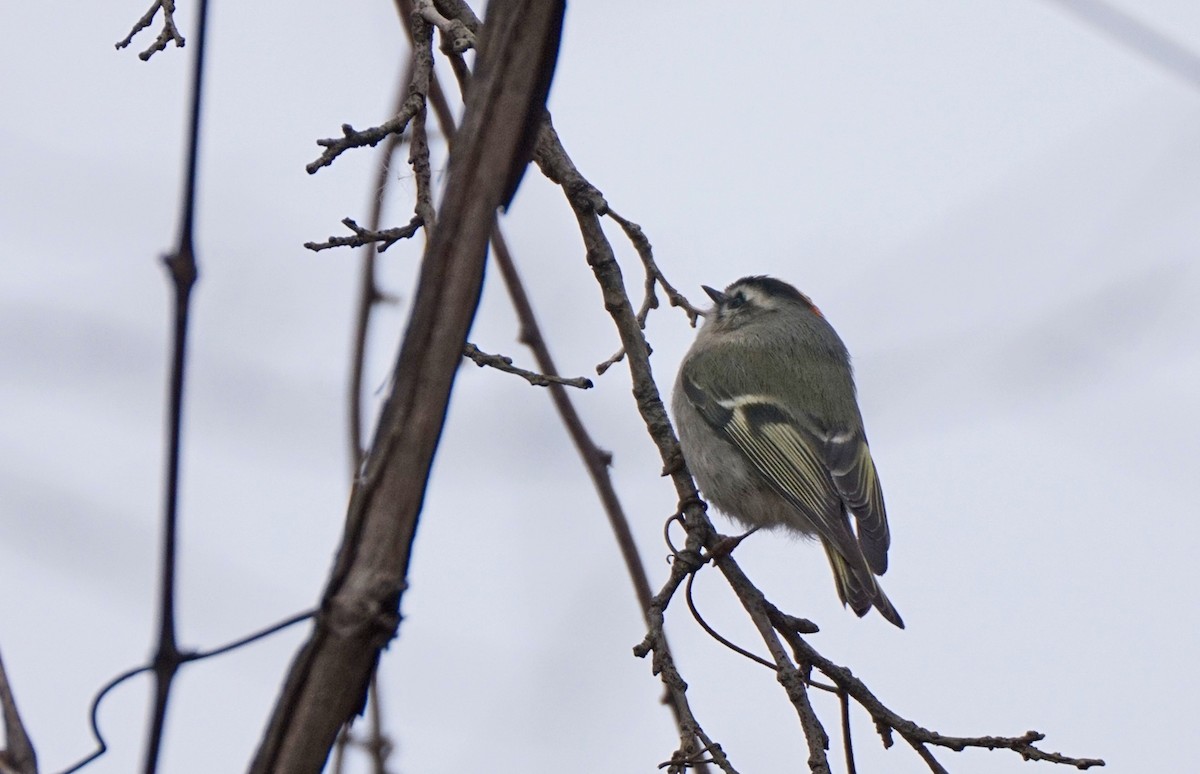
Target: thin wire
<point>94,712</point>
<point>847,742</point>
<point>713,632</point>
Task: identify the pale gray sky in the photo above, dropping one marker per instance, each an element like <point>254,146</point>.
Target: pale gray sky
<point>993,203</point>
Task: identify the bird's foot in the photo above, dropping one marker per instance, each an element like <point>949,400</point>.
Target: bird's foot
<point>725,544</point>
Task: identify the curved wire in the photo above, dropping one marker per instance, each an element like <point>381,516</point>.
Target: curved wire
<point>687,595</point>
<point>677,517</point>
<point>94,712</point>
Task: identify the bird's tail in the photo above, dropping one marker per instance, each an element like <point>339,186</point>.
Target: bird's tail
<point>858,589</point>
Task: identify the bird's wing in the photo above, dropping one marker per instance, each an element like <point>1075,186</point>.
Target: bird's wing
<point>853,473</point>
<point>788,452</point>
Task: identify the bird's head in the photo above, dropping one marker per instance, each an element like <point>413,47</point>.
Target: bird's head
<point>753,300</point>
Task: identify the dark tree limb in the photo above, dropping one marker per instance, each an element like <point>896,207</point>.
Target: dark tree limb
<point>17,755</point>
<point>359,612</point>
<point>182,268</point>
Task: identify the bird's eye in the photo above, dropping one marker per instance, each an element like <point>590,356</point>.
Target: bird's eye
<point>736,301</point>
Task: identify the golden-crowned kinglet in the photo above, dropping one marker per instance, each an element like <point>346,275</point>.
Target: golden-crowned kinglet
<point>771,430</point>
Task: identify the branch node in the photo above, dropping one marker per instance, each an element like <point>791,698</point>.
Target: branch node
<point>457,37</point>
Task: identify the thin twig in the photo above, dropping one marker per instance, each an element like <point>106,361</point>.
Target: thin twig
<point>368,236</point>
<point>653,277</point>
<point>505,364</point>
<point>413,104</point>
<point>168,34</point>
<point>789,676</point>
<point>379,747</point>
<point>597,462</point>
<point>595,459</point>
<point>340,745</point>
<point>368,291</point>
<point>918,736</point>
<point>418,157</point>
<point>588,203</point>
<point>685,563</point>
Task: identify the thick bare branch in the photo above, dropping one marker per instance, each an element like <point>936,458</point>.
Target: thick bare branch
<point>17,756</point>
<point>359,611</point>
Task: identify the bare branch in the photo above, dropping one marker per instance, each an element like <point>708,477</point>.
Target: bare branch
<point>654,275</point>
<point>365,236</point>
<point>918,736</point>
<point>359,614</point>
<point>505,364</point>
<point>685,563</point>
<point>368,290</point>
<point>595,459</point>
<point>418,158</point>
<point>168,33</point>
<point>588,204</point>
<point>413,104</point>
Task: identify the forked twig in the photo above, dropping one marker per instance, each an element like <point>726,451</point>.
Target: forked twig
<point>365,236</point>
<point>169,32</point>
<point>413,104</point>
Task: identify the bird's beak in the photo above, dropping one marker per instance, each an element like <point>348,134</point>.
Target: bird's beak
<point>717,296</point>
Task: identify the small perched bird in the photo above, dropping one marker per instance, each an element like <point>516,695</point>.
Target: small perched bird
<point>770,428</point>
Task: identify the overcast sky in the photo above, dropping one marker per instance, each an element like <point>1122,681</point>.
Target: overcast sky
<point>995,204</point>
